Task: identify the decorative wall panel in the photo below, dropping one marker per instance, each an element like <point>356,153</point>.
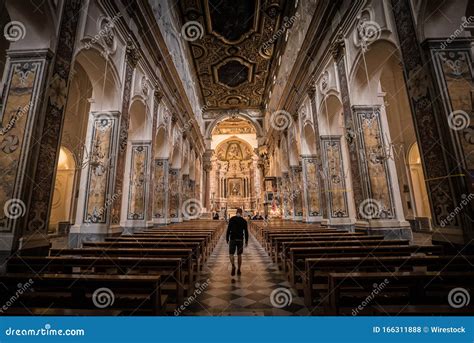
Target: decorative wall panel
<point>174,193</point>
<point>334,176</point>
<point>373,167</point>
<point>296,195</point>
<point>138,181</point>
<point>311,186</point>
<point>16,125</point>
<point>98,198</point>
<point>161,189</point>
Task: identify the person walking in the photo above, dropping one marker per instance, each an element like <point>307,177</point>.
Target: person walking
<point>237,232</point>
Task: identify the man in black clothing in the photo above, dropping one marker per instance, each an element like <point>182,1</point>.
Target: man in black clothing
<point>236,233</point>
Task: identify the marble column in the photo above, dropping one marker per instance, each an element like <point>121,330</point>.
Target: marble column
<point>442,157</point>
<point>312,194</point>
<point>207,167</point>
<point>158,95</point>
<point>160,191</point>
<point>296,196</point>
<point>333,165</point>
<point>131,59</point>
<point>29,142</point>
<point>25,75</point>
<point>175,195</point>
<point>357,194</point>
<point>324,211</point>
<point>287,206</point>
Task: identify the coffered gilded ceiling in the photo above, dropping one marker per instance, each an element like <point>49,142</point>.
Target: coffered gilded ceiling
<point>233,55</point>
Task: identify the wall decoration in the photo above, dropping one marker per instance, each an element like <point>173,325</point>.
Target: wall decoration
<point>312,189</point>
<point>98,198</point>
<point>374,171</point>
<point>138,181</point>
<point>334,176</point>
<point>161,189</point>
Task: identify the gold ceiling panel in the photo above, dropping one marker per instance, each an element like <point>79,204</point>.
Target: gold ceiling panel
<point>231,65</point>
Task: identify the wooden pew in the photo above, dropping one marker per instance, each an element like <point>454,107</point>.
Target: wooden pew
<point>170,269</point>
<point>423,290</point>
<point>296,259</point>
<point>277,242</point>
<point>132,293</point>
<point>185,254</point>
<point>317,269</point>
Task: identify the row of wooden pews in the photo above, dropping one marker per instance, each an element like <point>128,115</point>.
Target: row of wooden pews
<point>146,273</point>
<point>344,273</point>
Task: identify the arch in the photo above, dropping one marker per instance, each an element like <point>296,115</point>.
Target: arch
<point>176,157</point>
<point>309,140</point>
<point>106,85</point>
<point>161,143</point>
<point>224,116</point>
<point>232,139</point>
<point>140,126</point>
<point>432,25</point>
<point>331,119</point>
<point>63,193</point>
<point>417,182</point>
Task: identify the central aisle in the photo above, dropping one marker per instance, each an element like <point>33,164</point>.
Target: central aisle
<point>248,294</point>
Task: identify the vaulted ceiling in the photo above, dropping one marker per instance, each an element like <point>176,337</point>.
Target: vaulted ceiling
<point>233,51</point>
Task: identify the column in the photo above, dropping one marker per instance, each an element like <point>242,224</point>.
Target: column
<point>131,59</point>
<point>157,96</point>
<point>443,159</point>
<point>29,140</point>
<point>296,196</point>
<point>286,193</point>
<point>323,213</point>
<point>312,189</point>
<point>160,191</point>
<point>175,190</point>
<point>333,164</point>
<point>207,167</point>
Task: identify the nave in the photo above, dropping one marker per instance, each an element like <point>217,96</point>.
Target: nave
<point>288,269</point>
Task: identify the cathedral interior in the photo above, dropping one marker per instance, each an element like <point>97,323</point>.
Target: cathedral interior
<point>337,125</point>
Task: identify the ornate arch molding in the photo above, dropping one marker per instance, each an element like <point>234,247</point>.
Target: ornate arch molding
<point>224,116</point>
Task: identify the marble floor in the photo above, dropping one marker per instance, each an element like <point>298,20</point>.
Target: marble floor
<point>261,290</point>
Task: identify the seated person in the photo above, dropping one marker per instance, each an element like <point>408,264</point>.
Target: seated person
<point>215,216</point>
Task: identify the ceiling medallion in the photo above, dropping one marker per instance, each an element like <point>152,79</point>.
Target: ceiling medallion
<point>231,66</point>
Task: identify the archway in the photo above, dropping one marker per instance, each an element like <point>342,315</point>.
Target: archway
<point>421,210</point>
<point>63,192</point>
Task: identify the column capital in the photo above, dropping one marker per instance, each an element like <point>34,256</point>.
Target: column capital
<point>131,54</point>
<point>158,94</point>
<point>338,46</point>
